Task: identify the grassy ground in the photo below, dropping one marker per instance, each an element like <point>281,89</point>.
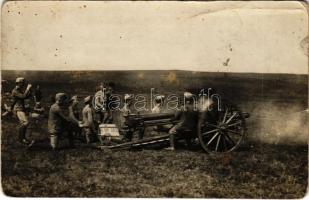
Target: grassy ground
<point>259,171</point>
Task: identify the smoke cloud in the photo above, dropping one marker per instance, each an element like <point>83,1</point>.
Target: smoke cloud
<point>274,124</point>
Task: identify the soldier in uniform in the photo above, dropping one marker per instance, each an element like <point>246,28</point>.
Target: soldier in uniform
<point>20,94</point>
<point>188,117</point>
<point>88,121</point>
<point>74,115</point>
<point>159,102</point>
<point>107,114</point>
<point>128,103</point>
<point>38,111</point>
<point>37,94</point>
<point>126,111</point>
<point>59,121</point>
<point>73,108</point>
<point>158,108</point>
<point>100,103</point>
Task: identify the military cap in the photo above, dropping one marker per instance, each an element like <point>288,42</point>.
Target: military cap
<point>74,98</point>
<point>20,79</point>
<point>60,96</point>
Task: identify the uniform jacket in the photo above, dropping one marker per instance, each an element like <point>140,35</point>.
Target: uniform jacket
<point>88,117</point>
<point>188,117</point>
<point>19,97</point>
<point>73,113</point>
<point>58,119</point>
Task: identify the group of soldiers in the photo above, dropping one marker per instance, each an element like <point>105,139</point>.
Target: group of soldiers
<point>64,115</point>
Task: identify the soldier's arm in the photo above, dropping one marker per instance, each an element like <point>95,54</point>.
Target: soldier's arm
<point>72,116</point>
<point>63,115</point>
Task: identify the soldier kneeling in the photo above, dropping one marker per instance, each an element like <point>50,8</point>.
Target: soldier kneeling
<point>188,117</point>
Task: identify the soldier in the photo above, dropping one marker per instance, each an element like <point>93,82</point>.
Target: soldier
<point>59,121</point>
<point>88,122</point>
<point>37,94</point>
<point>159,102</point>
<point>99,103</point>
<point>188,117</point>
<point>38,111</point>
<point>74,115</point>
<point>107,114</point>
<point>128,103</point>
<point>20,95</point>
<point>38,108</point>
<point>126,111</point>
<point>73,108</point>
<point>158,108</point>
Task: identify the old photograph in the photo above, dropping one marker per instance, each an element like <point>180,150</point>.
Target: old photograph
<point>154,99</point>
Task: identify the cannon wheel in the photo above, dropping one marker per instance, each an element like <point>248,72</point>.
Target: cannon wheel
<point>224,132</point>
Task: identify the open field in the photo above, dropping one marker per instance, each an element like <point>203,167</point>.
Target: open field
<point>273,163</point>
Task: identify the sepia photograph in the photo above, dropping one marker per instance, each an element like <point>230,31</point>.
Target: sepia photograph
<point>154,99</point>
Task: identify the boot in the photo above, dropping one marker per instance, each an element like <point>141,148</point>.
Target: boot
<point>172,143</point>
<point>54,142</point>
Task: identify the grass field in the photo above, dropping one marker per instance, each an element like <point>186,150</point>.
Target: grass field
<point>257,170</point>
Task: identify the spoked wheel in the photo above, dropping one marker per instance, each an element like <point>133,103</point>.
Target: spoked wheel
<point>221,132</point>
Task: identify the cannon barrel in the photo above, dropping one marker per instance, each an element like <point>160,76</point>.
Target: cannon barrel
<point>151,119</point>
<point>151,116</point>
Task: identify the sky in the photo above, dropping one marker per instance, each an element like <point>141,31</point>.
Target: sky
<point>258,37</point>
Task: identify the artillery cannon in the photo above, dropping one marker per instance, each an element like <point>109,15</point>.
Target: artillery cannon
<point>218,131</point>
<point>142,121</point>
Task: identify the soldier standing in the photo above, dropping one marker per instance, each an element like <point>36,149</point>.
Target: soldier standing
<point>107,113</point>
<point>20,95</point>
<point>73,108</point>
<point>99,103</point>
<point>158,108</point>
<point>59,121</point>
<point>37,94</point>
<point>88,122</point>
<point>74,115</point>
<point>126,111</point>
<point>188,120</point>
